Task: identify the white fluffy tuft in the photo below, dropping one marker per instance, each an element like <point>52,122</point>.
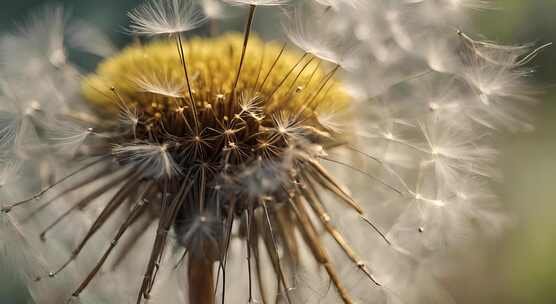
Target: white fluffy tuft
<point>158,17</point>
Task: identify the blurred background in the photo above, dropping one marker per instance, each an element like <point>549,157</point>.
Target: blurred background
<point>518,268</point>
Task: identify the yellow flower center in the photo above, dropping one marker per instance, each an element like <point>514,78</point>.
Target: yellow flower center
<point>151,77</point>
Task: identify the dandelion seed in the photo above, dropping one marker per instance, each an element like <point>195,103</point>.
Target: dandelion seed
<point>337,4</point>
<point>316,37</point>
<point>67,138</point>
<point>161,85</point>
<point>9,171</point>
<point>287,125</point>
<point>473,4</point>
<point>165,17</point>
<point>153,160</point>
<point>87,38</point>
<point>8,128</point>
<point>213,9</point>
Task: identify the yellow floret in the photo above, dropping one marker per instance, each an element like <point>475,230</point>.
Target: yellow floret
<point>212,65</point>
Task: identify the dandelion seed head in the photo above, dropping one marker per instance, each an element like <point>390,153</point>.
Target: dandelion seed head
<point>245,139</point>
<point>230,148</point>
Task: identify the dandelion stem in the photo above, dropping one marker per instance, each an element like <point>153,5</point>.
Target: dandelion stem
<point>300,72</point>
<point>273,248</point>
<point>258,268</point>
<point>200,277</point>
<point>287,75</point>
<point>364,173</point>
<point>192,99</point>
<point>202,186</point>
<point>9,207</point>
<point>129,220</point>
<point>168,214</point>
<point>214,28</point>
<point>311,236</point>
<point>131,241</point>
<point>83,202</point>
<point>247,32</point>
<point>249,224</point>
<point>101,175</point>
<point>224,252</point>
<point>273,65</point>
<point>375,228</point>
<point>104,215</point>
<point>315,203</point>
<point>326,80</point>
<point>260,67</point>
<point>323,177</point>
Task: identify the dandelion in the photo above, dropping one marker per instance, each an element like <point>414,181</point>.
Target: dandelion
<point>314,36</point>
<point>229,169</point>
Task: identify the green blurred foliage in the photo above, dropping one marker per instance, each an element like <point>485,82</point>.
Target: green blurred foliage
<point>524,262</point>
